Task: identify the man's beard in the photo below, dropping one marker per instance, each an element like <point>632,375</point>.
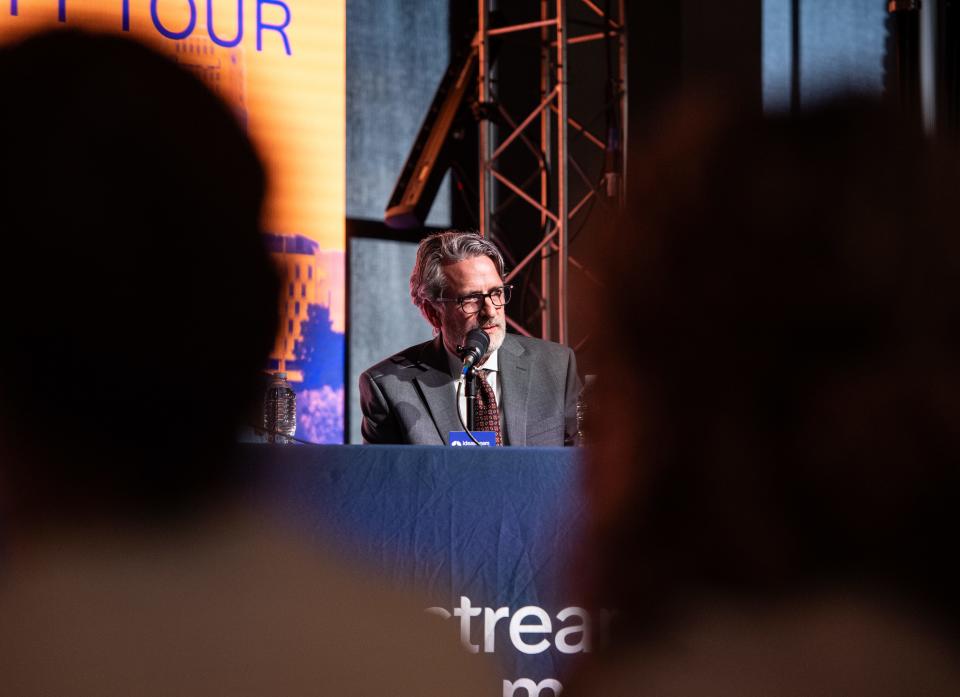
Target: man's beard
<point>496,339</point>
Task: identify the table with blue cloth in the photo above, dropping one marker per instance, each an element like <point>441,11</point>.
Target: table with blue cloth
<point>487,534</point>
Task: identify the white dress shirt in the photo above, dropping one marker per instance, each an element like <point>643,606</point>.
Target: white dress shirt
<point>493,377</point>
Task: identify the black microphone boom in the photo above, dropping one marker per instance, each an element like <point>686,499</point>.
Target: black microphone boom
<point>475,347</point>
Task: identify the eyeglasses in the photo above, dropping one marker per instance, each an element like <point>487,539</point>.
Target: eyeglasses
<point>472,304</point>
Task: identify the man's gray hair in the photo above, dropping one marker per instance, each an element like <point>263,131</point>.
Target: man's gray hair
<point>427,281</point>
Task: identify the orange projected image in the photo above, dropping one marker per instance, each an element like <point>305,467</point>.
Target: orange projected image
<point>281,65</point>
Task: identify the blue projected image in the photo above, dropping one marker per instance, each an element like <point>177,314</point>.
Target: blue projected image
<point>310,349</point>
<point>319,357</point>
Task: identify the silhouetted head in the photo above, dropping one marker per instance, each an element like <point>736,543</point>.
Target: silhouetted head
<point>138,301</point>
<point>781,407</point>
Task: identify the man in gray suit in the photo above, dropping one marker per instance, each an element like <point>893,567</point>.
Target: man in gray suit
<point>457,282</point>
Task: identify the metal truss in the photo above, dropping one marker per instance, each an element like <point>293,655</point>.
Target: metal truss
<point>550,145</point>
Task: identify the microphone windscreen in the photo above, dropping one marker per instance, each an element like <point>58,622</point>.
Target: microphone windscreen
<point>477,338</point>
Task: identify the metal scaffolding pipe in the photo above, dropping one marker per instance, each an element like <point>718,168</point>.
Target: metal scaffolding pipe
<point>485,135</point>
<point>546,277</point>
<point>563,217</point>
<point>555,156</point>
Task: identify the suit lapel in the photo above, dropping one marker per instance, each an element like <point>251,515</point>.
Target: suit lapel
<point>514,387</point>
<point>434,385</point>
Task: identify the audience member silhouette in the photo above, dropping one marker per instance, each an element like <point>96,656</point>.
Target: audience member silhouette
<point>138,301</point>
<point>776,474</point>
<point>138,305</point>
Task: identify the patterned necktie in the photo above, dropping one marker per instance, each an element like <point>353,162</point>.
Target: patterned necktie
<point>488,415</point>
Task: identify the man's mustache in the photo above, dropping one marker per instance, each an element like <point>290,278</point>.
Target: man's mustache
<point>488,322</point>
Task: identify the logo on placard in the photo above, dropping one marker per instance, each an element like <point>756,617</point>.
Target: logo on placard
<point>461,439</point>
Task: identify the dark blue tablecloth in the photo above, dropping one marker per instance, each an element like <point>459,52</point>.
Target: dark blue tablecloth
<point>499,526</point>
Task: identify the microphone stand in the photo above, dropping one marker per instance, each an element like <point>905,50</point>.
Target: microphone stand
<point>471,394</point>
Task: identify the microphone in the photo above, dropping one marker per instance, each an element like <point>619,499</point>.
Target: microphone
<point>472,351</point>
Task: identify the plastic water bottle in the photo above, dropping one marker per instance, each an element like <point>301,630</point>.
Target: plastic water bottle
<point>280,410</point>
<point>584,406</point>
<point>581,438</point>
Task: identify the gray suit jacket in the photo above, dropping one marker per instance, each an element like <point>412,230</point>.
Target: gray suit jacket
<point>408,398</point>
